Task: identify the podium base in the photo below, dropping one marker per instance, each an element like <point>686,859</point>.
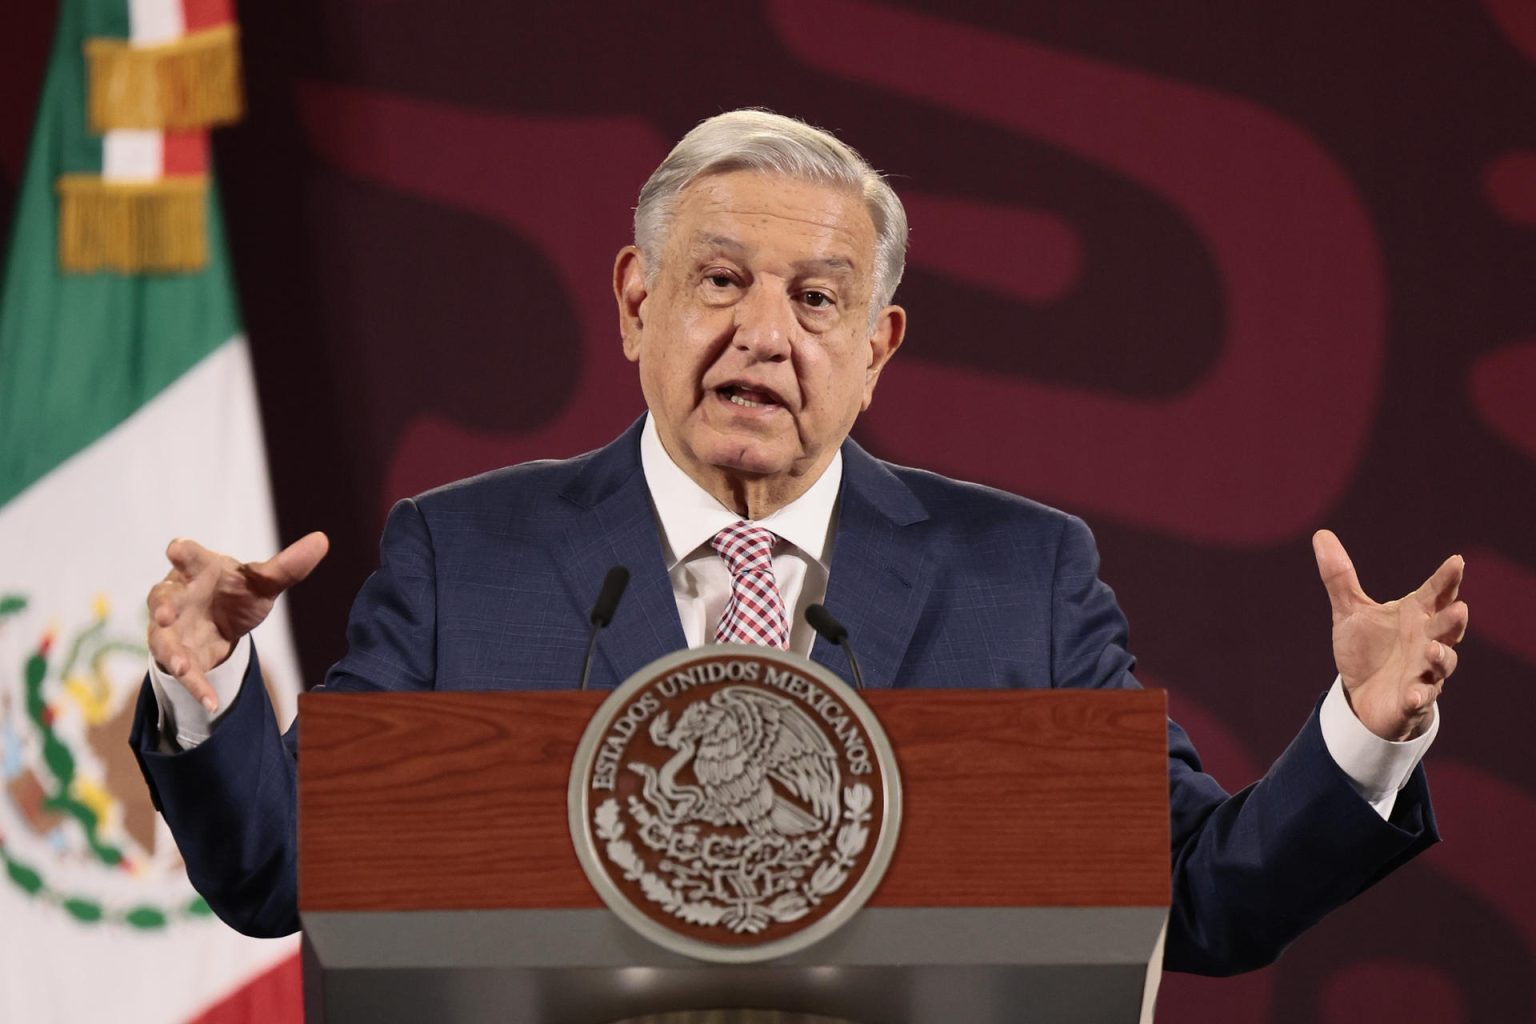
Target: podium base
<point>1051,965</point>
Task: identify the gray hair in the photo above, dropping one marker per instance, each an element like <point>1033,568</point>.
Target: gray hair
<point>759,140</point>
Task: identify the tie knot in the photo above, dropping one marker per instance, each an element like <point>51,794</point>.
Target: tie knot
<point>745,548</point>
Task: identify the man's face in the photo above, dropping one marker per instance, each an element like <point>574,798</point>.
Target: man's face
<point>754,339</point>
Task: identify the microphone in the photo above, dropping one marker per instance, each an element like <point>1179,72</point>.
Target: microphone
<point>602,613</point>
<point>834,632</point>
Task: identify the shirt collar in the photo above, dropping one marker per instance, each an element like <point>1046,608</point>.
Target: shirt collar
<point>691,516</point>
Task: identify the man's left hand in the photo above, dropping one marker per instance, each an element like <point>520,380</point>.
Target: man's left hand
<point>1393,658</point>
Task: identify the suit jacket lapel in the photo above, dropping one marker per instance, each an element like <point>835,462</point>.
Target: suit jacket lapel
<point>879,578</point>
<point>614,525</point>
<point>877,586</point>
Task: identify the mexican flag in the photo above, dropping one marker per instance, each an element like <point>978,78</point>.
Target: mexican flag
<point>128,417</point>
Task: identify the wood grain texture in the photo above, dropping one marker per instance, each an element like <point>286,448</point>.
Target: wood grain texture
<point>456,801</point>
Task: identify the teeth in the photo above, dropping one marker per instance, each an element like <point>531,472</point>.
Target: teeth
<point>738,400</point>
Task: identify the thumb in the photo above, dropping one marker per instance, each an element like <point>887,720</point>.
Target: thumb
<point>1337,572</point>
<point>289,566</point>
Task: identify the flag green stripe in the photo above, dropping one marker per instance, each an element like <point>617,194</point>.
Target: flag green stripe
<point>60,138</point>
<point>110,19</point>
<point>79,353</point>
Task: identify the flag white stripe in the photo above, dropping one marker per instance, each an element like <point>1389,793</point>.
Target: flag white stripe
<point>133,155</point>
<point>155,21</point>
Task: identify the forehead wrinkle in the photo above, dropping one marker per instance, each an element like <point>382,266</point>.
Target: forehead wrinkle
<point>716,243</point>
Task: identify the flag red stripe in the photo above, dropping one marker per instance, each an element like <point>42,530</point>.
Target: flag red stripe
<point>201,14</point>
<point>275,996</point>
<point>184,153</point>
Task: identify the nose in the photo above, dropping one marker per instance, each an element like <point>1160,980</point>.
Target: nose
<point>765,324</point>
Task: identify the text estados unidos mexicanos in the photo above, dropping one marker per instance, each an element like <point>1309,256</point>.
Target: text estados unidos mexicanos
<point>842,722</point>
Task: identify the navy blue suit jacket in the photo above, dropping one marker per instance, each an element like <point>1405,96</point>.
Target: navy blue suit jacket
<point>485,584</point>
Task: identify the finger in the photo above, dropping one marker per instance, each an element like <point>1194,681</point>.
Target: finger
<point>188,556</point>
<point>1337,572</point>
<point>1449,625</point>
<point>198,686</point>
<point>288,566</point>
<point>177,576</point>
<point>1441,658</point>
<point>164,613</point>
<point>1419,697</point>
<point>163,648</point>
<point>174,658</point>
<point>164,602</point>
<point>1440,589</point>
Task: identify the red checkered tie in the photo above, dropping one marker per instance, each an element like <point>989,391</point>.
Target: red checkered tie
<point>755,612</point>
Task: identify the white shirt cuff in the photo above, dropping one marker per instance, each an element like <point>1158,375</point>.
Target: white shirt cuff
<point>180,713</point>
<point>1376,767</point>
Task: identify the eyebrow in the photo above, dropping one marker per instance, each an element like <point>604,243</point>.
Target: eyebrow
<point>726,244</point>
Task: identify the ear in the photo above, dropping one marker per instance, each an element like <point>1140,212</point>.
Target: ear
<point>889,332</point>
<point>630,291</point>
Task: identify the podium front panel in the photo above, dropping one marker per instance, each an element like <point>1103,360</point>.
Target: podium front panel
<point>438,879</point>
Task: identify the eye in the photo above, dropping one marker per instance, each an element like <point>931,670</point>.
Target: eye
<point>717,285</point>
<point>817,300</point>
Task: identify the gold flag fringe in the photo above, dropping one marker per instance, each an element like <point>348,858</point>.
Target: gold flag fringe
<point>193,82</point>
<point>132,227</point>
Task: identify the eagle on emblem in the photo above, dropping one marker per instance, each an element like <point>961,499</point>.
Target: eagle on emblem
<point>751,752</point>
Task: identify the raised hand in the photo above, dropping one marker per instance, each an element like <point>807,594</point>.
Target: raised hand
<point>1393,658</point>
<point>208,601</point>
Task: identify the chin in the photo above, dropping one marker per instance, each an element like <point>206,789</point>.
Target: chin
<point>749,456</point>
<point>751,463</point>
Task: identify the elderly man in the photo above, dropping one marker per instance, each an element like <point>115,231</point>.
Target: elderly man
<point>756,303</point>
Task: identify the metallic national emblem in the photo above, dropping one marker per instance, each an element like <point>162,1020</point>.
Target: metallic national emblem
<point>734,803</point>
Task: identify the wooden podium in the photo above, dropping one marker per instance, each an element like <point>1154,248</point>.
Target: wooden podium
<point>438,880</point>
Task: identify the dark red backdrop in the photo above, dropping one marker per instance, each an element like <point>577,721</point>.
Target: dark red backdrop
<point>1211,275</point>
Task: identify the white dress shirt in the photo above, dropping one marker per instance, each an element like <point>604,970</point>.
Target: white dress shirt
<point>688,517</point>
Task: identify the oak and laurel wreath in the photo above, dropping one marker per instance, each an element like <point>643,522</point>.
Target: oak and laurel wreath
<point>828,877</point>
<point>61,763</point>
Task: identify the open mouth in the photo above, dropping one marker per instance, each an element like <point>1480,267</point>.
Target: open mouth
<point>747,396</point>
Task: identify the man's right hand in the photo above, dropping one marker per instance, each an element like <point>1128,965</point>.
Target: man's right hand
<point>208,601</point>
